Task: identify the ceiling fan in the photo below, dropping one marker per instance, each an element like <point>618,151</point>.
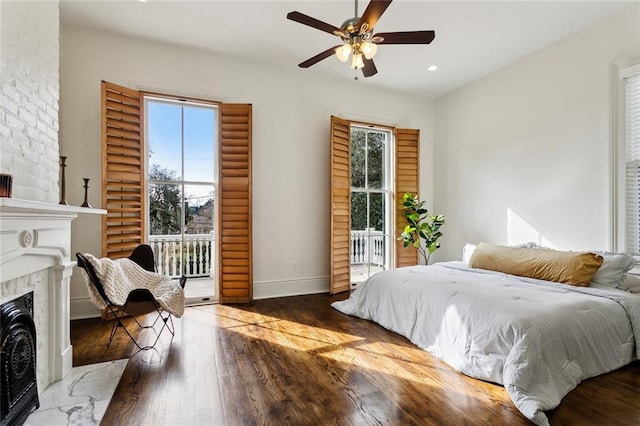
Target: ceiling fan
<point>358,38</point>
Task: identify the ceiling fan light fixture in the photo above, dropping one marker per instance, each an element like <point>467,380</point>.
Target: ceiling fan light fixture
<point>343,52</point>
<point>356,61</point>
<point>368,49</point>
<point>358,38</point>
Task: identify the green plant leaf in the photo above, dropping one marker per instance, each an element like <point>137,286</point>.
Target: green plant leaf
<point>422,229</point>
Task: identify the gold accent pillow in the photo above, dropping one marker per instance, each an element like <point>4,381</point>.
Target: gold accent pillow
<point>565,267</point>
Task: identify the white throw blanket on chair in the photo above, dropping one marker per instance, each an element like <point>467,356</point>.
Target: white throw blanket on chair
<point>121,276</point>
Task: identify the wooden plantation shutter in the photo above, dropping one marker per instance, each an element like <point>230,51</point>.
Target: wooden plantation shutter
<point>340,204</point>
<point>123,189</point>
<point>122,171</point>
<point>235,274</point>
<point>407,174</point>
<point>406,180</point>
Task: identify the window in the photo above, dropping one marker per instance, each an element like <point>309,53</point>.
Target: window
<point>403,177</point>
<point>631,78</point>
<point>371,197</point>
<point>124,187</point>
<point>181,186</point>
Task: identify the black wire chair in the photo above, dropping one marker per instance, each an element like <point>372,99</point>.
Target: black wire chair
<point>139,301</point>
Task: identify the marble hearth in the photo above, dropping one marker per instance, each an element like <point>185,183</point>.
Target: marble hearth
<point>35,255</point>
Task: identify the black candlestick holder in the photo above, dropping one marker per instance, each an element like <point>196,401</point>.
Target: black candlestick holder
<point>62,179</point>
<point>85,203</point>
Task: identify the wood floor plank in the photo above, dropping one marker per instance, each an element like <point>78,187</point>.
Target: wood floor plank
<point>298,361</point>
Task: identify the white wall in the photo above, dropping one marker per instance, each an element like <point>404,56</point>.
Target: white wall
<point>291,113</point>
<point>523,154</point>
<point>29,98</point>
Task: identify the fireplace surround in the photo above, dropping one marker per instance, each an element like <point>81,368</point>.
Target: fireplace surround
<point>35,250</point>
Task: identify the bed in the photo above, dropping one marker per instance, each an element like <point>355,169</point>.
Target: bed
<point>537,338</point>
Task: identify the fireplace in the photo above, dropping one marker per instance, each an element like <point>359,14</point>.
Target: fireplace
<point>35,258</point>
<point>19,390</point>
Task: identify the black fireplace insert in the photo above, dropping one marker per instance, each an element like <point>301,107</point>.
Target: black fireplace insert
<point>19,391</point>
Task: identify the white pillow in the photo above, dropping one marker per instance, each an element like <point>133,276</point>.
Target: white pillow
<point>467,251</point>
<point>631,283</point>
<point>613,270</point>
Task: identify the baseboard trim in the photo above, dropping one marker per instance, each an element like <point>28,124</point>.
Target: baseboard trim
<point>83,309</point>
<point>290,287</point>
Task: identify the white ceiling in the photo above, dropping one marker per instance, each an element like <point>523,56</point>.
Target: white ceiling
<point>473,38</point>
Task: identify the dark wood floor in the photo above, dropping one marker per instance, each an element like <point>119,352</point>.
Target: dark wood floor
<point>298,361</point>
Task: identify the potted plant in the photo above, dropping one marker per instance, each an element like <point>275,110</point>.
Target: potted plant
<point>422,230</point>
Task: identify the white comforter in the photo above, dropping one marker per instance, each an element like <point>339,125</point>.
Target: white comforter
<point>538,339</point>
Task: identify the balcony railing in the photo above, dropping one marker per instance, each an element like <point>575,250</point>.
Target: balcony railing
<point>368,246</point>
<point>191,257</point>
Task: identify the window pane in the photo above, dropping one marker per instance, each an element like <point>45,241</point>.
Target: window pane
<point>358,158</point>
<point>199,207</point>
<point>376,249</point>
<point>198,244</point>
<point>377,211</point>
<point>358,211</point>
<point>375,160</point>
<point>165,211</point>
<point>377,239</point>
<point>632,232</point>
<point>165,136</point>
<point>632,237</point>
<point>199,137</point>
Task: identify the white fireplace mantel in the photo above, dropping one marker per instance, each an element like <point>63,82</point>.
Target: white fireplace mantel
<point>36,236</point>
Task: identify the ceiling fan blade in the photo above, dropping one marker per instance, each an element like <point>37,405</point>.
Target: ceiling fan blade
<point>312,22</point>
<point>320,56</point>
<point>406,37</point>
<point>373,12</point>
<point>369,68</point>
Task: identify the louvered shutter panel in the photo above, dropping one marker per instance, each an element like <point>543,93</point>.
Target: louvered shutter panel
<point>407,175</point>
<point>122,171</point>
<point>235,274</point>
<point>340,204</point>
<point>632,229</point>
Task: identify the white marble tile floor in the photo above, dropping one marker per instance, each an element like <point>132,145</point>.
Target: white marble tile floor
<point>81,398</point>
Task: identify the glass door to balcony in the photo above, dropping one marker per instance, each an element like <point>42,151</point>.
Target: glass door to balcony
<point>181,177</point>
<point>370,193</point>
